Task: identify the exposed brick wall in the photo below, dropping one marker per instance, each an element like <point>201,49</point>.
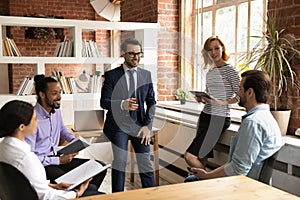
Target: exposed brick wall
<point>168,18</point>
<point>289,18</point>
<point>165,12</point>
<point>139,11</point>
<point>77,9</point>
<point>4,7</point>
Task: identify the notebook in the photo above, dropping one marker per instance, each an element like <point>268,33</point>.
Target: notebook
<point>88,120</point>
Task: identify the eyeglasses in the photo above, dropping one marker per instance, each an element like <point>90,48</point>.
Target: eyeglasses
<point>133,54</point>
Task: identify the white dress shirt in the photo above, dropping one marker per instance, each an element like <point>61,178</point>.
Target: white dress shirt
<point>17,153</point>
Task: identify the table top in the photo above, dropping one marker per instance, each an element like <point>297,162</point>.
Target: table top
<point>233,188</point>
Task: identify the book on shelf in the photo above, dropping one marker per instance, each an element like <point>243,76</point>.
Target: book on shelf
<point>22,86</point>
<point>11,48</point>
<point>94,85</point>
<point>76,145</point>
<point>16,48</point>
<point>7,47</point>
<point>72,84</point>
<point>90,49</point>
<point>67,84</point>
<point>57,49</point>
<point>26,87</point>
<point>4,49</point>
<point>82,173</point>
<point>64,49</point>
<point>29,87</point>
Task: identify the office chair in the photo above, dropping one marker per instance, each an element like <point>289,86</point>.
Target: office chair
<point>14,184</point>
<point>267,169</point>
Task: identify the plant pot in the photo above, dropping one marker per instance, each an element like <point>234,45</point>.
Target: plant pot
<point>182,101</point>
<point>282,117</point>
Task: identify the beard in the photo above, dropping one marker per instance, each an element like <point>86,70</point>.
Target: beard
<point>132,63</point>
<point>241,103</point>
<point>52,104</point>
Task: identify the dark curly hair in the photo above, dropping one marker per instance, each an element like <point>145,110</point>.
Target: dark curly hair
<point>41,84</point>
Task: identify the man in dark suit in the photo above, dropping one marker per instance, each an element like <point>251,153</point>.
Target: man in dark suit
<point>125,91</point>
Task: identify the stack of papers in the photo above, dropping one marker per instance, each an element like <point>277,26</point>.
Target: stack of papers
<point>82,173</point>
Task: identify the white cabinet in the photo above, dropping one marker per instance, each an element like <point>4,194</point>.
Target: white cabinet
<point>144,32</point>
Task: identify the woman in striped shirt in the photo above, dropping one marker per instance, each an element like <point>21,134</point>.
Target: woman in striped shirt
<point>222,84</point>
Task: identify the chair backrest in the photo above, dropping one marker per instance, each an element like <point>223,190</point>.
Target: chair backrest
<point>14,184</point>
<point>267,169</point>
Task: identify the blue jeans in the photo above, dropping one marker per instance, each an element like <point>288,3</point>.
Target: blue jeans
<point>120,150</point>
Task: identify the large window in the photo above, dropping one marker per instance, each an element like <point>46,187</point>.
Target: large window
<point>234,21</point>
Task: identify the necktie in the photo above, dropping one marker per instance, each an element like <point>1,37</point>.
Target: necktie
<point>131,93</point>
<point>131,84</point>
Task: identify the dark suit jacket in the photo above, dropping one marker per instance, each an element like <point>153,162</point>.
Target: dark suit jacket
<point>115,90</point>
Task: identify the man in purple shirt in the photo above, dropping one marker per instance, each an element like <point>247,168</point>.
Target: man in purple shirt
<point>50,130</point>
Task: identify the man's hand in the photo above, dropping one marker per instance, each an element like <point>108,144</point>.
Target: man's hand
<point>199,172</point>
<point>146,135</point>
<point>66,158</point>
<point>130,104</point>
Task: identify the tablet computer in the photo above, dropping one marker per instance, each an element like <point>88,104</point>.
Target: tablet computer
<point>200,94</point>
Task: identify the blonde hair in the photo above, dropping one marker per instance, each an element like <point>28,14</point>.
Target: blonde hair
<point>207,60</point>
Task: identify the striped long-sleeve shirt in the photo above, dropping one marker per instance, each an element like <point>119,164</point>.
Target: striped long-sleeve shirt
<point>222,83</point>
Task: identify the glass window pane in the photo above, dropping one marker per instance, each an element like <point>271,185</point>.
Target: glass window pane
<point>205,3</point>
<point>256,21</point>
<point>242,27</point>
<point>207,27</point>
<point>225,26</point>
<point>204,30</point>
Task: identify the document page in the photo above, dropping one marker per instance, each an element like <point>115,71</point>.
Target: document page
<point>82,173</point>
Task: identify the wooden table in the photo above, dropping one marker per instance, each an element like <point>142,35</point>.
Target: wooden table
<point>228,188</point>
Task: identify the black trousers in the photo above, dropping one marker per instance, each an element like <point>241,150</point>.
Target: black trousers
<point>55,171</point>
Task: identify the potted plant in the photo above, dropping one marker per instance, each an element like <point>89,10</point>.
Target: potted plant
<point>275,54</point>
<point>182,94</point>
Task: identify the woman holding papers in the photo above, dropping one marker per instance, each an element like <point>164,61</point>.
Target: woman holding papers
<point>222,84</point>
<point>18,120</point>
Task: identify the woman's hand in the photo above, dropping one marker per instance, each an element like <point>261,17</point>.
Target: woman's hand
<point>60,186</point>
<point>212,100</point>
<point>82,188</point>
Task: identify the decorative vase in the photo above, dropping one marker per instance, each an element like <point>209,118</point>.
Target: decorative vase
<point>282,117</point>
<point>182,101</point>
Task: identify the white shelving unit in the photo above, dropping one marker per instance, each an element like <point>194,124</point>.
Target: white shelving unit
<point>144,32</point>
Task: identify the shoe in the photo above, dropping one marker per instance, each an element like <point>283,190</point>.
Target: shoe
<point>191,178</point>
